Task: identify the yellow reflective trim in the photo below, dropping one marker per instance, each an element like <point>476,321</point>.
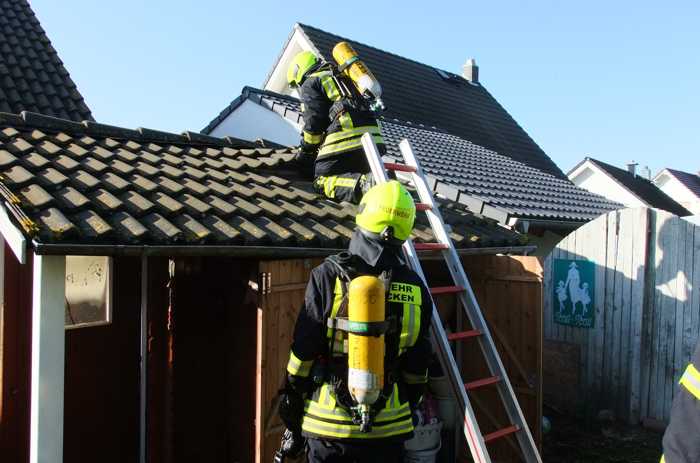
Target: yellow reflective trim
<point>691,380</point>
<point>330,88</point>
<point>327,150</point>
<point>353,132</point>
<point>312,138</point>
<point>298,367</point>
<point>345,121</point>
<point>337,299</point>
<point>663,459</point>
<point>333,182</point>
<point>344,431</point>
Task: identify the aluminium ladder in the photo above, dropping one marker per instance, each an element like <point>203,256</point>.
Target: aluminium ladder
<point>441,340</point>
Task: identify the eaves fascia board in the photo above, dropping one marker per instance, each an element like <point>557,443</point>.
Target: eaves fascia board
<point>298,35</point>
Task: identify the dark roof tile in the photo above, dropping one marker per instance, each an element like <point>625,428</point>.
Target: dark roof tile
<point>161,227</point>
<point>193,230</point>
<point>35,196</point>
<point>103,199</point>
<point>92,225</point>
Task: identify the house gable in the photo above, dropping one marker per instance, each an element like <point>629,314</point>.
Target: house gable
<point>425,95</point>
<point>681,186</point>
<point>620,185</point>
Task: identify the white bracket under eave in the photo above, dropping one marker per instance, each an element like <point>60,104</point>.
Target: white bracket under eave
<point>14,238</point>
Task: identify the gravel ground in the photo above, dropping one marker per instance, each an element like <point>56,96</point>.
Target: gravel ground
<point>573,441</point>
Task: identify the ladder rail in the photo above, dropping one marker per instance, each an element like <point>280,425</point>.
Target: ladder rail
<point>472,433</point>
<point>475,439</point>
<point>471,307</point>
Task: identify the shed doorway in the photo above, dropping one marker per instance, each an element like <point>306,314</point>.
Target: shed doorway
<point>207,369</point>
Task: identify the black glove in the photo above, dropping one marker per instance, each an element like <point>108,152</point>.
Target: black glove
<point>292,444</point>
<point>291,409</point>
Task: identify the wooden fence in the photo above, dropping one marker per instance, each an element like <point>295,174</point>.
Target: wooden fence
<point>647,315</point>
<point>510,290</point>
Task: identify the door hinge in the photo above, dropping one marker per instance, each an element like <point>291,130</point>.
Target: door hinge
<point>264,283</point>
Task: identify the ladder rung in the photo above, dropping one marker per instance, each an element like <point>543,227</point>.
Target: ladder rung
<point>463,335</point>
<point>446,289</point>
<point>482,382</point>
<point>423,207</point>
<point>399,167</point>
<point>430,246</point>
<point>501,433</point>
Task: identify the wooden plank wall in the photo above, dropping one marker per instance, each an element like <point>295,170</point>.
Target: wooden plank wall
<point>509,288</point>
<point>280,299</point>
<point>646,316</point>
<point>509,291</point>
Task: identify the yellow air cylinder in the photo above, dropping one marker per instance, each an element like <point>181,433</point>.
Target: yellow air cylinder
<point>358,72</point>
<point>365,353</point>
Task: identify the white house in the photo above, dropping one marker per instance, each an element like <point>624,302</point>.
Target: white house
<point>681,186</point>
<point>624,186</point>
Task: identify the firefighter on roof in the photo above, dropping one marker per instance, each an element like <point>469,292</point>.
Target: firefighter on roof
<point>682,438</point>
<point>335,116</point>
<point>326,397</point>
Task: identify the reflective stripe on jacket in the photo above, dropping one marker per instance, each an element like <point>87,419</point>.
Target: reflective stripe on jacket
<point>682,437</point>
<point>320,96</point>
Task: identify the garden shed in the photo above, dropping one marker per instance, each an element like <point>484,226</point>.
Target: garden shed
<point>150,282</point>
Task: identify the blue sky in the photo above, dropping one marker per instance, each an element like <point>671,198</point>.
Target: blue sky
<point>613,80</point>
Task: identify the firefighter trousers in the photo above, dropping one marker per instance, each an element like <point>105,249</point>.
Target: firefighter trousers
<point>342,177</point>
<point>327,451</point>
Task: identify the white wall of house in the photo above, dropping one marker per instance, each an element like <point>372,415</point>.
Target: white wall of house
<point>676,190</point>
<point>590,177</point>
<point>277,81</point>
<point>251,121</point>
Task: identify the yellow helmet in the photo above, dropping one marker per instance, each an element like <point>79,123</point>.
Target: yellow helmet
<point>301,64</point>
<point>387,209</point>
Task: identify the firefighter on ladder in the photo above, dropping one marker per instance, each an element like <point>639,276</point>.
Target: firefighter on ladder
<point>682,438</point>
<point>315,404</point>
<point>335,118</point>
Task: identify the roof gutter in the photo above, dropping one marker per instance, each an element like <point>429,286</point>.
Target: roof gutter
<point>259,252</point>
<point>523,224</point>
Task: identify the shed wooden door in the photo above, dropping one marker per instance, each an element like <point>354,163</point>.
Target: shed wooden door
<point>281,286</point>
<point>509,289</point>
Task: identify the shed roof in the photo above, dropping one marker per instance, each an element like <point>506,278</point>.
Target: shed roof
<point>32,77</point>
<point>423,94</point>
<point>640,187</point>
<point>477,177</point>
<point>66,183</point>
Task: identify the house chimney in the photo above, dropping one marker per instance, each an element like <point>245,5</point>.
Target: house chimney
<point>470,71</point>
<point>647,173</point>
<point>632,167</point>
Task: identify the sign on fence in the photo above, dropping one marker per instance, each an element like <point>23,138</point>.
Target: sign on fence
<point>574,292</point>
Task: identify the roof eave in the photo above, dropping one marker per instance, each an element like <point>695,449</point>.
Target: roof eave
<point>259,252</point>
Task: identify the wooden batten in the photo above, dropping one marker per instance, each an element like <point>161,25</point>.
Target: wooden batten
<point>48,360</point>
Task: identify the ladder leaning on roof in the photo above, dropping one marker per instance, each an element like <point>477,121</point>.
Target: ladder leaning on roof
<point>480,332</point>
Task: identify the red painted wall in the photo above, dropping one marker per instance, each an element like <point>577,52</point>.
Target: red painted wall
<point>16,360</point>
